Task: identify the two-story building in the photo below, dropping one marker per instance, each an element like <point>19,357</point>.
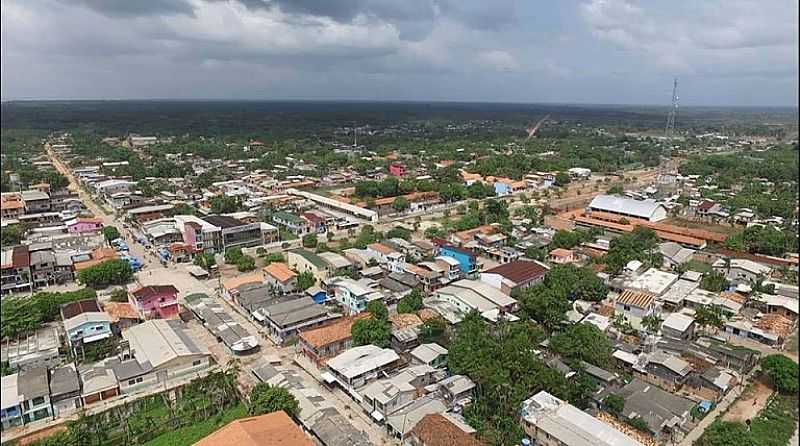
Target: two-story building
<point>388,257</point>
<point>278,276</point>
<point>84,322</point>
<point>635,305</point>
<point>303,260</point>
<point>359,366</point>
<point>293,223</point>
<point>467,260</point>
<point>25,397</point>
<point>15,267</point>
<point>155,301</point>
<point>321,343</point>
<point>354,295</point>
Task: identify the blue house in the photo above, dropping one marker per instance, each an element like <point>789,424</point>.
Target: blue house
<point>85,322</point>
<point>501,189</point>
<point>467,260</point>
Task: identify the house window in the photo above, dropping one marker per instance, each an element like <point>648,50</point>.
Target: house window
<point>196,363</point>
<point>139,379</point>
<point>131,382</point>
<point>39,400</point>
<point>627,308</point>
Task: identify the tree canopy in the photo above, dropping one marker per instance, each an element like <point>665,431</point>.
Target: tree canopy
<point>22,314</point>
<point>305,280</point>
<point>109,272</point>
<point>265,398</point>
<point>411,302</point>
<point>111,233</point>
<point>583,342</point>
<point>763,240</point>
<point>640,244</point>
<point>782,371</point>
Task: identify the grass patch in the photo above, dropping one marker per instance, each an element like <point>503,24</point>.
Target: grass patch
<point>775,425</point>
<point>191,433</point>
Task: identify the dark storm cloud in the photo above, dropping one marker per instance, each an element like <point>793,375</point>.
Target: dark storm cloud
<point>134,8</point>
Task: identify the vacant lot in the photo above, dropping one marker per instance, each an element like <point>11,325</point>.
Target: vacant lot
<point>750,403</point>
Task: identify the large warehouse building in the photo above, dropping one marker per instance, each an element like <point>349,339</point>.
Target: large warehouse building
<point>627,207</point>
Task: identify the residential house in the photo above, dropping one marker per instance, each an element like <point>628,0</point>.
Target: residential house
<point>98,383</point>
<point>65,390</point>
<point>561,256</point>
<point>43,265</point>
<point>665,413</point>
<point>286,317</point>
<point>742,270</point>
<point>441,430</point>
<point>467,260</point>
<point>155,301</point>
<point>25,397</point>
<point>456,390</point>
<point>516,275</point>
<point>122,315</point>
<point>84,322</point>
<point>84,225</point>
<point>712,384</point>
<point>787,307</point>
<point>292,223</point>
<point>35,201</point>
<point>15,264</point>
<point>337,263</point>
<point>354,295</point>
<point>635,305</point>
<point>230,287</point>
<point>326,341</point>
<point>674,254</point>
<point>664,370</point>
<point>11,206</point>
<point>432,354</point>
<point>271,429</point>
<point>397,170</point>
<point>303,260</point>
<point>459,298</point>
<point>159,350</point>
<point>279,277</point>
<point>550,421</point>
<point>678,326</point>
<point>235,233</point>
<point>388,257</point>
<point>400,424</point>
<point>358,366</point>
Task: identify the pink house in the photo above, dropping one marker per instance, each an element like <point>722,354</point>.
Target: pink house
<point>155,301</point>
<point>84,225</point>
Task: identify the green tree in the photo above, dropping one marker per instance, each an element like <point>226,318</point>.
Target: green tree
<point>714,281</point>
<point>273,257</point>
<point>11,235</point>
<point>709,316</point>
<point>110,233</point>
<point>583,342</point>
<point>205,260</point>
<point>371,331</point>
<point>433,330</point>
<point>310,240</point>
<point>265,398</point>
<point>782,371</point>
<point>378,310</point>
<point>223,204</point>
<point>562,179</point>
<point>411,302</point>
<point>232,255</point>
<point>545,305</point>
<point>614,403</point>
<point>615,189</point>
<point>652,323</point>
<point>496,211</point>
<point>305,280</point>
<point>641,244</point>
<point>574,282</point>
<point>245,263</point>
<point>109,272</point>
<point>399,232</point>
<point>639,424</point>
<point>400,204</point>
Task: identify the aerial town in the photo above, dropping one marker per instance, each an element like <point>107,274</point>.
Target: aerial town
<point>573,284</point>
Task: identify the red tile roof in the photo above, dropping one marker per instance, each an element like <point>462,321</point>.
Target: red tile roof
<point>437,430</point>
<point>272,429</point>
<point>153,290</point>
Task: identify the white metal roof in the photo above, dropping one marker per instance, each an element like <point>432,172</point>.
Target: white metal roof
<point>638,208</point>
<point>359,360</point>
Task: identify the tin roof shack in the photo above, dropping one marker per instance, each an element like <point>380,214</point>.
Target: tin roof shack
<point>665,413</point>
<point>65,390</point>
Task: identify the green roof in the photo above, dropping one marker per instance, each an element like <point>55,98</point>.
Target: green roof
<point>311,257</point>
<point>286,216</point>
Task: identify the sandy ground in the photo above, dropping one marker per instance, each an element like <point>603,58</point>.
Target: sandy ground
<point>750,403</point>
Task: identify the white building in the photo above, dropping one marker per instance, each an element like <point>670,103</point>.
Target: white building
<point>552,422</point>
<point>627,207</point>
<point>359,366</point>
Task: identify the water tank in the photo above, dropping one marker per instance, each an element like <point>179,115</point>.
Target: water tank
<point>526,442</point>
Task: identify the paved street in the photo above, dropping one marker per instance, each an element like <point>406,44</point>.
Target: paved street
<point>155,273</point>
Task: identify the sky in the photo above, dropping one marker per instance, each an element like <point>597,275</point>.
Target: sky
<point>723,52</point>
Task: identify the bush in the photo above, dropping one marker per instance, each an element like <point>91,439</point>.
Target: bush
<point>22,314</point>
<point>245,263</point>
<point>639,424</point>
<point>232,255</point>
<point>614,403</point>
<point>110,233</point>
<point>410,303</point>
<point>371,331</point>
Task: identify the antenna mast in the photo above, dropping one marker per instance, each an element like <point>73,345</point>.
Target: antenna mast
<point>670,128</point>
